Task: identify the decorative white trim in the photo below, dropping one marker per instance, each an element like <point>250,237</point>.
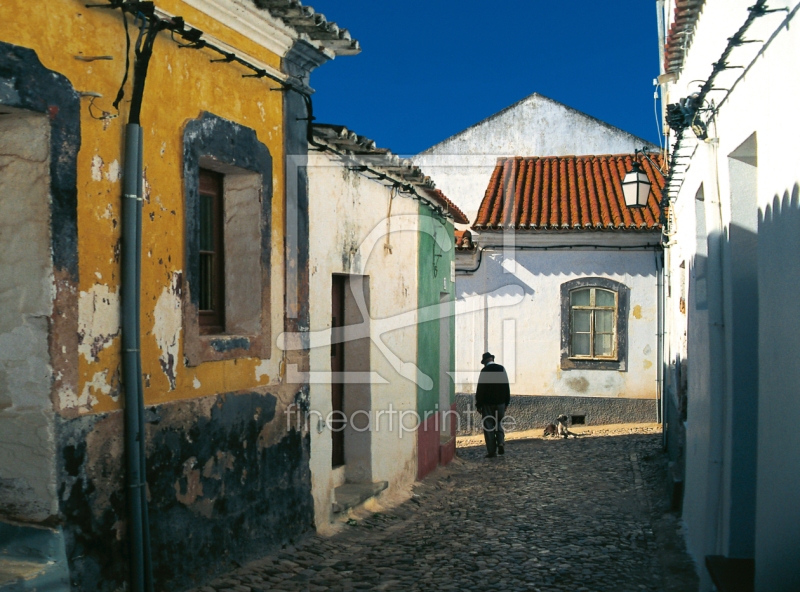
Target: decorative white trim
<point>257,25</point>
<point>230,49</point>
<point>575,238</point>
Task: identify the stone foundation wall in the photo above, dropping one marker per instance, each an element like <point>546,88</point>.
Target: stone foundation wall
<point>535,412</point>
<point>227,483</point>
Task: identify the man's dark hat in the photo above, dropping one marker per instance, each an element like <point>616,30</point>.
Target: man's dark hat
<point>486,357</point>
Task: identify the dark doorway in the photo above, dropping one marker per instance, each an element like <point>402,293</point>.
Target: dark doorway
<point>337,423</point>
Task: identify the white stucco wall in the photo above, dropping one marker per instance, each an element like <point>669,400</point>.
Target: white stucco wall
<point>762,102</point>
<point>526,335</point>
<point>462,165</point>
<point>348,229</point>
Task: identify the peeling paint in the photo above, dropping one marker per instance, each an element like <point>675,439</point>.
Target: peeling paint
<point>97,168</point>
<point>146,187</point>
<point>104,447</point>
<point>88,399</point>
<point>262,369</point>
<point>647,364</point>
<point>225,345</point>
<point>194,488</point>
<point>272,504</point>
<point>216,465</point>
<point>114,172</point>
<point>167,326</point>
<point>637,312</point>
<point>98,320</point>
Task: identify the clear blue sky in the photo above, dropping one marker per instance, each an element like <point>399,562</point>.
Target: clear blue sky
<point>429,69</point>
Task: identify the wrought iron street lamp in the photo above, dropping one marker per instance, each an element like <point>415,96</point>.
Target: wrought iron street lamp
<point>636,186</point>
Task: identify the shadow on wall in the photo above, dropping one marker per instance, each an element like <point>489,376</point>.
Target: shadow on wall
<point>777,537</point>
<point>496,272</point>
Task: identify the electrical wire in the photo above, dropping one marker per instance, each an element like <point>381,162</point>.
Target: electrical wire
<point>121,91</point>
<point>758,10</point>
<point>658,123</point>
<point>105,114</point>
<point>405,187</point>
<point>784,24</point>
<point>178,25</point>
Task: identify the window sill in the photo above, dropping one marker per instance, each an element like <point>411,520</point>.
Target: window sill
<point>568,363</point>
<point>199,348</point>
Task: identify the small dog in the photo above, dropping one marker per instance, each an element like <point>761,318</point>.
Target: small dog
<point>550,430</point>
<point>563,430</point>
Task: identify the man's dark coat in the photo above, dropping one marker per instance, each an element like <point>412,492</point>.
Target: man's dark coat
<point>493,386</point>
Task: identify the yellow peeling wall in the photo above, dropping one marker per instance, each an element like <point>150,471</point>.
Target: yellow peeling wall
<point>181,83</point>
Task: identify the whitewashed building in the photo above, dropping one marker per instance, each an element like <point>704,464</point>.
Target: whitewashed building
<point>462,164</point>
<point>731,81</point>
<point>375,355</point>
<point>562,286</point>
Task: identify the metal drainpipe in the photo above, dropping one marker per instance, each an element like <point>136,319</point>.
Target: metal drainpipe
<point>661,407</point>
<point>148,565</point>
<point>130,356</point>
<point>140,567</point>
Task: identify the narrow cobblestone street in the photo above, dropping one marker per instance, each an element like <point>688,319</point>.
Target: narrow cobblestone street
<point>586,514</point>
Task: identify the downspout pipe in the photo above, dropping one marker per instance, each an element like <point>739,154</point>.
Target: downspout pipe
<point>660,407</point>
<point>148,565</point>
<point>134,436</point>
<point>140,568</point>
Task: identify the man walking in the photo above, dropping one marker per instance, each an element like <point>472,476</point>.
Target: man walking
<point>492,397</point>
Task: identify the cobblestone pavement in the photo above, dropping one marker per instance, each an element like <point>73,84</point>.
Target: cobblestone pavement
<point>585,515</point>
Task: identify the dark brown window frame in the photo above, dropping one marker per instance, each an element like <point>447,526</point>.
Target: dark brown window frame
<point>620,362</point>
<point>223,146</point>
<point>592,308</point>
<point>211,309</point>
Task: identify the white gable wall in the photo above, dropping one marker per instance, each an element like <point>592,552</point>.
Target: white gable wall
<point>462,165</point>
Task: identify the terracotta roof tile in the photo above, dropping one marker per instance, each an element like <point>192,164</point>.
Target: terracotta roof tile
<point>681,33</point>
<point>567,192</point>
<point>449,206</point>
<point>464,240</point>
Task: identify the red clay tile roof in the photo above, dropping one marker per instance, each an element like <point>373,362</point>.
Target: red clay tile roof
<point>681,32</point>
<point>449,206</point>
<point>464,240</point>
<point>566,193</point>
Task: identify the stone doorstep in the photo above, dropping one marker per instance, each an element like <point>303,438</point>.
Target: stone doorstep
<point>32,558</point>
<point>351,495</point>
<point>20,575</point>
<point>12,570</point>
